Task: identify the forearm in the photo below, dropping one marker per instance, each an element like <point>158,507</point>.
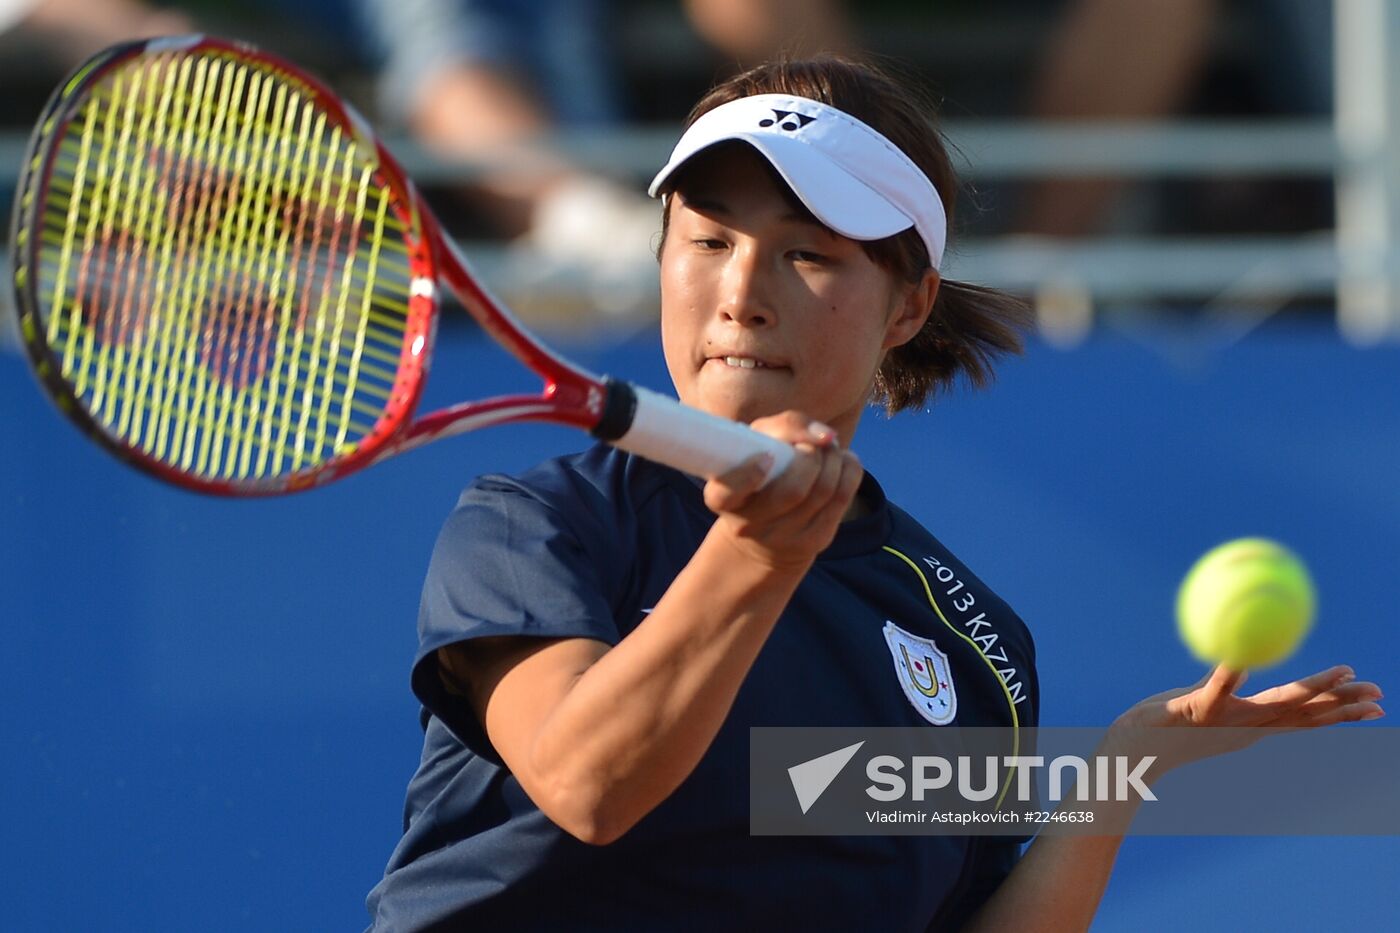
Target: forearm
<point>753,30</point>
<point>599,736</point>
<point>1055,887</point>
<point>1151,50</point>
<point>472,109</point>
<point>634,724</point>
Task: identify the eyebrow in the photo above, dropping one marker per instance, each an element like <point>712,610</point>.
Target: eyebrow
<point>710,205</point>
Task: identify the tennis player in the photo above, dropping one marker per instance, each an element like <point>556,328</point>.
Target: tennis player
<point>598,635</point>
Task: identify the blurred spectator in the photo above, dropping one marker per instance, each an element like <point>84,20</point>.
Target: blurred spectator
<point>73,30</point>
<point>753,30</point>
<point>1143,61</point>
<point>78,28</point>
<point>1107,60</point>
<point>477,77</point>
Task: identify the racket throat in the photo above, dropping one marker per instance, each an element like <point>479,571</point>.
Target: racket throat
<point>619,410</point>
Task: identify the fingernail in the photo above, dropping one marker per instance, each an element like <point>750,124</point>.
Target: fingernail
<point>821,431</point>
<point>1375,714</point>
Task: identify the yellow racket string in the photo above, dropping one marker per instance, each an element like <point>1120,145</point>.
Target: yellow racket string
<point>232,135</point>
<point>223,277</point>
<point>364,425</point>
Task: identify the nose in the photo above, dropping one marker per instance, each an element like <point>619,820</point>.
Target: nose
<point>746,297</point>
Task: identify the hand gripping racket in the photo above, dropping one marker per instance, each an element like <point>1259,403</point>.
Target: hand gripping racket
<point>226,280</point>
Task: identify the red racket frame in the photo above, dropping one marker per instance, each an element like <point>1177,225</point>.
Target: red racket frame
<point>571,395</point>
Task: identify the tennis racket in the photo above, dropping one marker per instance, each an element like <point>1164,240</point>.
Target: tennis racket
<point>224,278</point>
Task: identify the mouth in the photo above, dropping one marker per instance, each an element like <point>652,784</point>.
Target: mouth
<point>743,362</point>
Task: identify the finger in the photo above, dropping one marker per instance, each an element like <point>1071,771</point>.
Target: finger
<point>1286,696</point>
<point>731,490</point>
<point>1219,688</point>
<point>792,488</point>
<point>788,426</point>
<point>835,508</point>
<point>824,485</point>
<point>794,427</point>
<point>1351,712</point>
<point>1342,696</point>
<point>823,435</point>
<point>786,493</point>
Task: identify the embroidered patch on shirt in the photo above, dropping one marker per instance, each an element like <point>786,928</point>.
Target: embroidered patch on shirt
<point>924,674</point>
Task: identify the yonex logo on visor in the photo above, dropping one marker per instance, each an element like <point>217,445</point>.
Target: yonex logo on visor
<point>780,117</point>
<point>850,176</point>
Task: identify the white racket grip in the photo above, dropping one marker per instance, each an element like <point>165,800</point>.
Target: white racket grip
<point>694,441</point>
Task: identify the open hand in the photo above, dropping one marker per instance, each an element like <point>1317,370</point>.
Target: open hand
<point>1322,699</point>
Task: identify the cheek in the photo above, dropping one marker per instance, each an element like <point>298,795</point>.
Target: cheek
<point>673,345</point>
<point>853,327</point>
<point>686,290</point>
<point>678,321</point>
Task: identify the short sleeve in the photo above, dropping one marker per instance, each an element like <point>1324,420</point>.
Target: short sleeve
<point>509,563</point>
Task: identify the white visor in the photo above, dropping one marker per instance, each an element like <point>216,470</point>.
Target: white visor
<point>850,177</point>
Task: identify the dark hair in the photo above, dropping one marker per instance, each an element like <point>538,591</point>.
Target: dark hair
<point>970,325</point>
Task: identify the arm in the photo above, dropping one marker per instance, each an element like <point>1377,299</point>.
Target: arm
<point>1112,60</point>
<point>82,27</point>
<point>599,737</point>
<point>755,30</point>
<point>1057,886</point>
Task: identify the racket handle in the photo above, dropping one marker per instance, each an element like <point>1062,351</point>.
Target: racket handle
<point>659,428</point>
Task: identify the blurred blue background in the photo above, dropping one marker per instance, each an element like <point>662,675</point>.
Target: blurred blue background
<point>206,708</point>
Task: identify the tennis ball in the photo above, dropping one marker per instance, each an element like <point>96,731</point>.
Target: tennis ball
<point>1245,604</point>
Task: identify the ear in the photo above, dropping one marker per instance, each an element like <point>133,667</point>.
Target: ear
<point>912,305</point>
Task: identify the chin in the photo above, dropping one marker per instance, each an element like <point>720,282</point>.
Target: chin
<point>744,409</point>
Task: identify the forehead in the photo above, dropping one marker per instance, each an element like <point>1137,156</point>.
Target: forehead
<point>733,175</point>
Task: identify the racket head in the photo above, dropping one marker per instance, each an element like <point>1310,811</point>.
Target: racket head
<point>221,276</point>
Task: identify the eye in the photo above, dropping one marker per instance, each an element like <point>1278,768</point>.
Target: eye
<point>708,243</point>
<point>810,256</point>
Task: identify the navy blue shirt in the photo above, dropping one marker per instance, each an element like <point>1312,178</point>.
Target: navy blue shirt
<point>584,546</point>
